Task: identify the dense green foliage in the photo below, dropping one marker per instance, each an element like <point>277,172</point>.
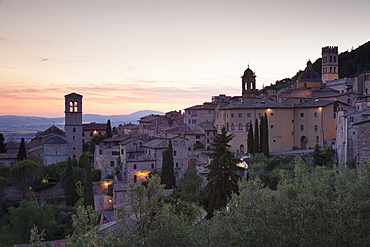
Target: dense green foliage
<point>24,174</point>
<point>54,219</point>
<point>168,172</point>
<point>314,208</point>
<point>22,153</point>
<point>95,140</point>
<point>89,194</point>
<point>190,186</point>
<point>222,177</point>
<point>323,157</point>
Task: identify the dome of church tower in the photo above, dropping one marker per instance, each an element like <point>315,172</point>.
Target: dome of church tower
<point>309,74</point>
<point>309,78</point>
<point>248,72</point>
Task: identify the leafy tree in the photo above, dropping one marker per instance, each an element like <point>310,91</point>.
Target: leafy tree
<point>4,171</point>
<point>168,173</point>
<point>250,139</point>
<point>108,130</point>
<point>256,144</point>
<point>54,171</point>
<point>145,204</point>
<point>189,186</point>
<point>323,157</point>
<point>95,140</point>
<point>70,193</point>
<point>2,144</point>
<point>84,221</point>
<point>222,177</point>
<point>22,153</point>
<point>198,146</point>
<point>25,174</point>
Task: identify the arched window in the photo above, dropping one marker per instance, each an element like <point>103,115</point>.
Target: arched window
<point>175,143</point>
<point>75,106</point>
<point>227,126</point>
<point>247,126</point>
<point>182,143</point>
<point>232,126</point>
<point>241,149</point>
<point>240,126</point>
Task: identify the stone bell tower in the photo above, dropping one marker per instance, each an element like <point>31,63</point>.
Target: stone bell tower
<point>73,124</point>
<point>329,63</point>
<point>248,84</point>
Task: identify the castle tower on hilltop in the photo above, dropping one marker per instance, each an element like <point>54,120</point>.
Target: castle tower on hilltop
<point>249,84</point>
<point>329,63</point>
<point>73,124</point>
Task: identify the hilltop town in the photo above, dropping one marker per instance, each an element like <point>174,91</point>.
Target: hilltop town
<point>313,111</point>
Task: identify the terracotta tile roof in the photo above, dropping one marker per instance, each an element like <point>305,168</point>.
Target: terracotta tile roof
<point>205,106</point>
<point>255,103</point>
<point>315,103</point>
<point>156,143</point>
<point>94,126</point>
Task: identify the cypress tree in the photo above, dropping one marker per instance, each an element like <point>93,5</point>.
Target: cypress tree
<point>89,194</point>
<point>222,177</point>
<point>108,130</point>
<point>2,144</point>
<point>265,138</point>
<point>250,138</point>
<point>261,133</point>
<point>256,143</point>
<point>70,193</point>
<point>22,154</point>
<point>168,173</point>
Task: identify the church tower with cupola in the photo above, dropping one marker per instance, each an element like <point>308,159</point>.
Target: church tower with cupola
<point>248,84</point>
<point>73,124</point>
<point>329,63</point>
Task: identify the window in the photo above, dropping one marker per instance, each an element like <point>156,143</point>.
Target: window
<point>100,151</point>
<point>74,129</point>
<point>351,119</point>
<point>177,164</point>
<point>240,126</point>
<point>91,134</point>
<point>189,121</point>
<point>316,114</point>
<point>247,126</point>
<point>174,153</point>
<point>302,114</point>
<point>249,115</point>
<point>302,127</point>
<point>152,166</point>
<point>122,151</point>
<point>232,126</point>
<point>232,114</point>
<point>193,121</point>
<point>240,114</point>
<point>115,152</point>
<point>316,127</point>
<point>272,126</point>
<point>189,112</point>
<point>83,134</point>
<point>317,139</point>
<point>135,178</point>
<point>175,143</point>
<point>135,166</point>
<point>272,114</point>
<point>112,163</point>
<point>182,143</point>
<point>197,137</point>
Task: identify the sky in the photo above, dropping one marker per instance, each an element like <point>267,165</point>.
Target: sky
<point>129,55</point>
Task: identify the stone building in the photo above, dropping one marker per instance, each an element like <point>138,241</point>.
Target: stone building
<point>92,129</point>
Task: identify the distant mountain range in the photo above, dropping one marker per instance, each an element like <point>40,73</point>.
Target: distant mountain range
<point>14,128</point>
<point>11,120</point>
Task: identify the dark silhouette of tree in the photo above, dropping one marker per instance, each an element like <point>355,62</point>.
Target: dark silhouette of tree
<point>222,177</point>
<point>256,144</point>
<point>265,136</point>
<point>168,173</point>
<point>250,139</point>
<point>89,194</point>
<point>2,144</point>
<point>70,193</point>
<point>22,153</point>
<point>108,130</point>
